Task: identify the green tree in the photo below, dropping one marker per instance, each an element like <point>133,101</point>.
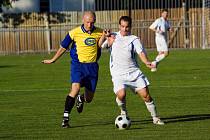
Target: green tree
<point>6,3</point>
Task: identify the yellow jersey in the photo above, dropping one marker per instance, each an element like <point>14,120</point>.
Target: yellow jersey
<point>84,45</point>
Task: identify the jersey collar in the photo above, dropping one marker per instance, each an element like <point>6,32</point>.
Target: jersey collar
<point>121,35</point>
<point>162,18</point>
<point>85,31</point>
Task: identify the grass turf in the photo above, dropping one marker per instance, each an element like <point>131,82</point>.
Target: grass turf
<point>32,98</point>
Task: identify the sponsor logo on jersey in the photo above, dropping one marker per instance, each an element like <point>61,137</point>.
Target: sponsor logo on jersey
<point>90,41</point>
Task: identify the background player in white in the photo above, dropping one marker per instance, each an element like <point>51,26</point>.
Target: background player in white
<point>160,26</point>
<point>124,69</point>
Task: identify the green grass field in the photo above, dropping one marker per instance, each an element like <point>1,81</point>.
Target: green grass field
<point>32,98</point>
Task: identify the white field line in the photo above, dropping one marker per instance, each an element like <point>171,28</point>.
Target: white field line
<point>23,90</point>
<point>105,88</point>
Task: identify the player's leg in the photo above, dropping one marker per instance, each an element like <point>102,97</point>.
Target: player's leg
<point>69,103</point>
<point>120,92</point>
<point>158,45</point>
<point>76,77</point>
<point>161,55</point>
<point>162,49</point>
<point>140,86</point>
<point>87,97</point>
<point>121,101</point>
<point>89,82</point>
<point>144,94</point>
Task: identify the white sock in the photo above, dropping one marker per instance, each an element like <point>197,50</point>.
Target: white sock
<point>159,57</point>
<point>65,114</point>
<point>151,108</point>
<point>122,106</point>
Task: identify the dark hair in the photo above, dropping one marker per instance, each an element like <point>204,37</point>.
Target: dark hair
<point>127,19</point>
<point>164,10</point>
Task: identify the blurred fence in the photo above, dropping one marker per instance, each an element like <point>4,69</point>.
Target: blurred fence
<point>39,32</point>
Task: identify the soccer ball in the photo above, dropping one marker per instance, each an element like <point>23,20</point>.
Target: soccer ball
<point>122,122</point>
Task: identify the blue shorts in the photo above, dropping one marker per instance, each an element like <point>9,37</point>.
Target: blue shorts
<point>86,74</point>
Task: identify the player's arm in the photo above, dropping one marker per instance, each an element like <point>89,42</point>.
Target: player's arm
<point>58,54</point>
<point>170,29</point>
<point>156,30</point>
<point>141,53</point>
<point>154,27</point>
<point>109,41</point>
<point>63,47</point>
<point>102,40</point>
<point>144,59</point>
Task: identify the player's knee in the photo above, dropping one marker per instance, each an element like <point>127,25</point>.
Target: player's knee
<point>73,94</point>
<point>74,90</point>
<point>148,99</point>
<point>166,54</point>
<point>121,94</point>
<point>121,97</point>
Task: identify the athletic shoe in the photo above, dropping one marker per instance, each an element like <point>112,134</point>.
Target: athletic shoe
<point>158,121</point>
<point>65,123</point>
<point>154,63</point>
<point>79,104</point>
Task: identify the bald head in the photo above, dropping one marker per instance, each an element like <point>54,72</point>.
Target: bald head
<point>88,20</point>
<point>89,14</point>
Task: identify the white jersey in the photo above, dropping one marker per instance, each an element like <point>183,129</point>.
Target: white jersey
<point>161,24</point>
<point>123,54</point>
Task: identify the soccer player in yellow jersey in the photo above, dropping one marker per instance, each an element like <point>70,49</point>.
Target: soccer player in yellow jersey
<point>84,42</point>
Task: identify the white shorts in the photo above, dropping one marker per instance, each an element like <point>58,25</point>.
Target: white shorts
<point>161,44</point>
<point>135,80</point>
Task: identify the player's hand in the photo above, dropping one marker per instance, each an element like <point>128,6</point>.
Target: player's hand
<point>159,31</point>
<point>111,39</point>
<point>48,61</point>
<point>150,65</point>
<point>106,32</point>
<point>171,30</point>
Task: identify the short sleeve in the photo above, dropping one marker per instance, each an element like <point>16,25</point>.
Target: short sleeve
<point>154,25</point>
<point>66,41</point>
<point>138,46</point>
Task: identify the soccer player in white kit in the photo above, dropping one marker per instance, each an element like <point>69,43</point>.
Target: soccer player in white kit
<point>160,26</point>
<point>124,69</point>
